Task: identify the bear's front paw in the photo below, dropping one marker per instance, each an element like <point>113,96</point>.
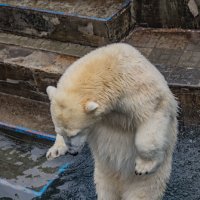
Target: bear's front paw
<point>56,151</point>
<point>145,166</point>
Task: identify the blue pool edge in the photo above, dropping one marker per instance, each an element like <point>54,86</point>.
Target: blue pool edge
<point>39,135</point>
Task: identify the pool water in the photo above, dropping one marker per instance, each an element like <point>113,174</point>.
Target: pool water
<point>25,172</point>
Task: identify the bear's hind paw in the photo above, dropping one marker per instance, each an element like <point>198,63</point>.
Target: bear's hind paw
<point>144,167</point>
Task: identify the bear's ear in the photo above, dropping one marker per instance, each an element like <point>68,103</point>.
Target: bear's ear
<point>50,91</point>
<point>91,106</point>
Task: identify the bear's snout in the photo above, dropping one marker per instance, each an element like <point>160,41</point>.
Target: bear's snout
<point>76,144</point>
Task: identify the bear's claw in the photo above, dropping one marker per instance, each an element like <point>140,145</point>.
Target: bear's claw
<point>56,151</point>
<point>144,167</point>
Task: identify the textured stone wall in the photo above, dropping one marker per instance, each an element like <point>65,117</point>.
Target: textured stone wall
<point>167,13</point>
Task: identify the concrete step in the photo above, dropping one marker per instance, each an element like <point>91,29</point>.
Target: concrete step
<point>68,21</point>
<point>26,71</point>
<point>25,112</point>
<point>65,48</point>
<point>176,52</point>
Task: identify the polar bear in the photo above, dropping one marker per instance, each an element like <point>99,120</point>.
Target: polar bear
<point>118,102</point>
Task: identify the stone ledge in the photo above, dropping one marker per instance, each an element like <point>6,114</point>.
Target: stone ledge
<point>175,52</point>
<point>64,48</point>
<point>25,112</point>
<point>67,27</point>
<point>27,72</point>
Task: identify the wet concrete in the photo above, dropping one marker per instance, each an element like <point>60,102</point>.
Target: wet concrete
<point>24,170</point>
<point>77,182</point>
<point>25,173</point>
<point>23,162</point>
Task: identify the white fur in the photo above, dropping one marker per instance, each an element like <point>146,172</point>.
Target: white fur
<point>58,149</point>
<point>50,91</point>
<point>132,128</point>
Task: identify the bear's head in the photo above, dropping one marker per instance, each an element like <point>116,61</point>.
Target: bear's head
<point>72,115</point>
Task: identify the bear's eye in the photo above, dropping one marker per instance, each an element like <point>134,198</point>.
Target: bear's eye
<point>62,106</point>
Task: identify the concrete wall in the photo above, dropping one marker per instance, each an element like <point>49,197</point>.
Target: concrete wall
<point>168,13</point>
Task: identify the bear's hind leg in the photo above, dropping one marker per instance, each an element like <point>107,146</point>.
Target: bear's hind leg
<point>142,195</point>
<point>149,187</point>
<point>106,186</point>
